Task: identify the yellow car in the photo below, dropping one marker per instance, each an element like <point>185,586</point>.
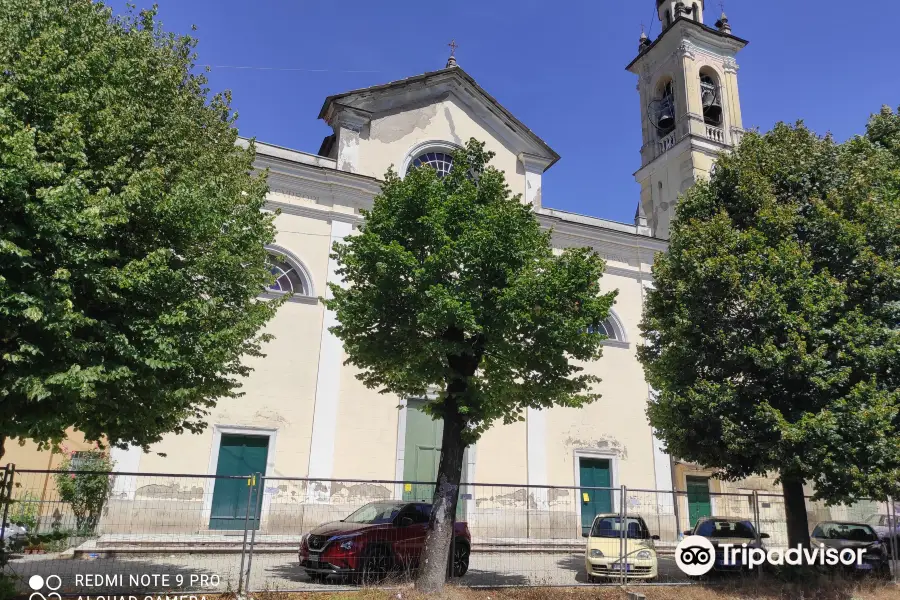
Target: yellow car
<point>603,555</point>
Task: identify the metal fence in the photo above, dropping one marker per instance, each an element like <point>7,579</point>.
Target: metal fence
<point>119,533</point>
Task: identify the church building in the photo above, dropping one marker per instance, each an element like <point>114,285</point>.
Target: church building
<point>304,413</point>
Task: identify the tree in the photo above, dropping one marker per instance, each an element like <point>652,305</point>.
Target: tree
<point>773,334</point>
<point>84,482</point>
<point>453,289</point>
<point>131,233</point>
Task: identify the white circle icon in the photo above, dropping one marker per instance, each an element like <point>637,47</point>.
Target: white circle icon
<point>695,555</point>
<point>35,582</point>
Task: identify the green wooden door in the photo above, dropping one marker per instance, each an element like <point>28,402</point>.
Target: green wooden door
<point>699,502</point>
<point>241,455</point>
<point>594,472</point>
<point>422,456</point>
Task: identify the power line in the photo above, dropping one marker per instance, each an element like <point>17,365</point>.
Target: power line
<point>252,68</point>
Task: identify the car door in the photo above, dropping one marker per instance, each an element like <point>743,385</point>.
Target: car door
<point>409,534</point>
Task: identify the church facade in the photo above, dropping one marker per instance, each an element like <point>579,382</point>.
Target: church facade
<point>304,413</point>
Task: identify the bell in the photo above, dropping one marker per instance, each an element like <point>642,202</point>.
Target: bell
<point>665,120</point>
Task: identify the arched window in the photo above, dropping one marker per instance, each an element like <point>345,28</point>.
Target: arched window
<point>662,109</point>
<point>290,276</point>
<point>711,97</point>
<point>441,162</point>
<point>612,328</point>
<point>668,18</point>
<point>696,12</point>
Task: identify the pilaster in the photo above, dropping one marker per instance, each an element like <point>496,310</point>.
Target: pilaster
<point>534,170</point>
<point>348,123</point>
<point>328,379</point>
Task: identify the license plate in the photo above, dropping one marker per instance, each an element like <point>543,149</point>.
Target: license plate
<point>314,558</point>
<point>618,567</point>
<point>864,567</point>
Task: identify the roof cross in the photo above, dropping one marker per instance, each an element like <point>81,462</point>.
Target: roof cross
<point>453,46</point>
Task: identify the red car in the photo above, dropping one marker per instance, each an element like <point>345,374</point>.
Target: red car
<point>378,539</point>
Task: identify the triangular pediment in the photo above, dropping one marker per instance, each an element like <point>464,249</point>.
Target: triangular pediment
<point>453,82</point>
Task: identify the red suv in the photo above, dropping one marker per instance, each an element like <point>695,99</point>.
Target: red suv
<point>376,540</point>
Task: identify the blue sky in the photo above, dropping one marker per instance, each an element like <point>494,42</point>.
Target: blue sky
<point>558,66</point>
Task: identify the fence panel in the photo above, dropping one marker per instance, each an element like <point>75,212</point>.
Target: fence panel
<point>119,533</point>
<point>196,533</point>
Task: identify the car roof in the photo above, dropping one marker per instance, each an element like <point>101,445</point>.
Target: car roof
<point>853,523</point>
<point>611,515</point>
<point>730,519</point>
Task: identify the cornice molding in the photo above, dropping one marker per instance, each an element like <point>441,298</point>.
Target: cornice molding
<point>312,212</point>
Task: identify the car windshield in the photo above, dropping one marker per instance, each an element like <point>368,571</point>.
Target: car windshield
<point>844,531</point>
<point>374,513</point>
<point>878,520</point>
<point>611,527</point>
<point>726,529</point>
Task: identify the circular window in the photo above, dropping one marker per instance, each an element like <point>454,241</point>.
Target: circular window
<point>441,162</point>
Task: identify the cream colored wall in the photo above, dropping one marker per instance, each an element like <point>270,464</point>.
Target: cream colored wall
<point>365,444</point>
<point>616,424</point>
<point>388,139</point>
<point>308,239</point>
<point>676,174</point>
<point>279,394</point>
<point>501,456</point>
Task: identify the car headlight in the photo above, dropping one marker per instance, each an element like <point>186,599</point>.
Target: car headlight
<point>644,555</point>
<point>596,554</point>
<point>303,539</point>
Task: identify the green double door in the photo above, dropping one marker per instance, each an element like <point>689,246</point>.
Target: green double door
<point>698,498</point>
<point>422,456</point>
<point>594,473</point>
<point>239,455</point>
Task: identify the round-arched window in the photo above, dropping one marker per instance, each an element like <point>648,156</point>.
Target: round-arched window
<point>287,277</point>
<point>441,162</point>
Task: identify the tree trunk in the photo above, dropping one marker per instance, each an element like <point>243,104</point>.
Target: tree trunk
<point>795,512</point>
<point>2,445</point>
<point>434,561</point>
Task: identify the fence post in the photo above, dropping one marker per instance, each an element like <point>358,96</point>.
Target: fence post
<point>894,528</point>
<point>9,473</point>
<point>240,588</point>
<point>623,527</point>
<point>757,523</point>
<point>257,517</point>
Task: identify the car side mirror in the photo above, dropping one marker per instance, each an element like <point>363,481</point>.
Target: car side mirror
<point>688,532</point>
<point>654,537</point>
<point>406,521</point>
<point>764,536</point>
<point>584,535</point>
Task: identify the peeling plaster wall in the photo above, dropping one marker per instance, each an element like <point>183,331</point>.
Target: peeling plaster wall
<point>389,137</point>
<point>616,424</point>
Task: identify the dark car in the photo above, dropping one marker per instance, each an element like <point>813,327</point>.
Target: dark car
<point>378,539</point>
<point>844,535</point>
<point>888,529</point>
<point>723,530</point>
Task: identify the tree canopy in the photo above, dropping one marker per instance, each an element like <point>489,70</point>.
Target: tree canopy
<point>452,292</point>
<point>131,232</point>
<point>773,331</point>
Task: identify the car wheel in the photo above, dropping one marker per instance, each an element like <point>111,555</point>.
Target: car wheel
<point>460,559</point>
<point>376,565</point>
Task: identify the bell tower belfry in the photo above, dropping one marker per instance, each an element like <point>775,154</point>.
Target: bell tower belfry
<point>690,105</point>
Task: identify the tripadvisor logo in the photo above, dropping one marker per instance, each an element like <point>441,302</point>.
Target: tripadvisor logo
<point>695,556</point>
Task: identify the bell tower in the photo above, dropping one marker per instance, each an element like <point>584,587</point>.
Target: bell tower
<point>690,105</point>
